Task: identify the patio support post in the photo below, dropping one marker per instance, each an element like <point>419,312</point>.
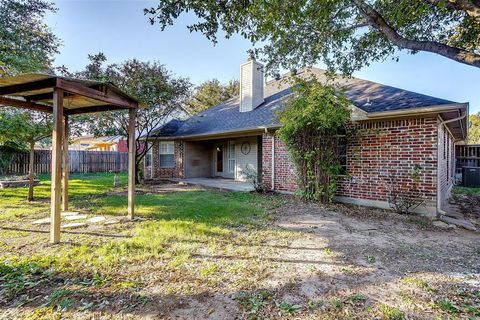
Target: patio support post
<point>131,162</point>
<point>57,143</point>
<point>66,167</point>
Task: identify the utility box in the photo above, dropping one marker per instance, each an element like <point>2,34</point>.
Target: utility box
<point>471,177</point>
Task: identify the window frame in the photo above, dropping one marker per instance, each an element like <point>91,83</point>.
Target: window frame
<point>166,152</point>
<point>149,155</point>
<point>231,156</point>
<point>343,155</point>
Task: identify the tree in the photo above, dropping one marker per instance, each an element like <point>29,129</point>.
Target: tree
<point>474,130</point>
<point>210,93</point>
<point>149,82</point>
<point>20,127</point>
<point>26,42</point>
<point>314,126</point>
<point>345,34</point>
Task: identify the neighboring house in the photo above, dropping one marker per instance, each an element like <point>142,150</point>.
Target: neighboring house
<point>91,143</point>
<point>403,129</point>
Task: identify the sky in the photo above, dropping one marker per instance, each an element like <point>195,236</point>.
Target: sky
<point>119,29</point>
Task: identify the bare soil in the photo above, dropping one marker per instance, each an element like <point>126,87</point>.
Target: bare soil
<point>310,262</point>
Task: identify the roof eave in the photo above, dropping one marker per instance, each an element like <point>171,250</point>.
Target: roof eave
<point>435,109</point>
<point>259,129</point>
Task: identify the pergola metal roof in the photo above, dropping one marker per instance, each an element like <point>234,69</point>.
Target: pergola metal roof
<point>63,96</point>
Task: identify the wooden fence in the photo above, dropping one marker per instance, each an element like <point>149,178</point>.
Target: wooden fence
<point>467,156</point>
<point>79,161</point>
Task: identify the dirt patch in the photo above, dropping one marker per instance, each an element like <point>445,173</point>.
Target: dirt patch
<point>469,206</point>
<point>309,262</point>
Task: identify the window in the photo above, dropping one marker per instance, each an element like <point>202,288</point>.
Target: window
<point>231,156</point>
<point>444,143</point>
<point>447,139</point>
<point>167,157</point>
<point>342,151</point>
<point>148,156</point>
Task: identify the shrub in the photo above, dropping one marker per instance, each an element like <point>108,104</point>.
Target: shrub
<point>404,194</point>
<point>314,128</point>
<point>252,177</point>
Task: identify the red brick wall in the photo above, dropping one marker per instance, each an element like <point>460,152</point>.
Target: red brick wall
<point>178,170</point>
<point>391,146</point>
<point>384,146</point>
<point>446,162</point>
<point>284,168</point>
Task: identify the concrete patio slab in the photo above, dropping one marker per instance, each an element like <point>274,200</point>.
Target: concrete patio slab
<point>76,217</point>
<point>42,221</point>
<point>219,183</point>
<point>73,225</point>
<point>96,219</point>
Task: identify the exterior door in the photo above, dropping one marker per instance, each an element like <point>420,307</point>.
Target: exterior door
<point>219,160</point>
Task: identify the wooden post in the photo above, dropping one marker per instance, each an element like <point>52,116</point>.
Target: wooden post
<point>30,171</point>
<point>131,163</point>
<point>66,167</point>
<point>57,137</point>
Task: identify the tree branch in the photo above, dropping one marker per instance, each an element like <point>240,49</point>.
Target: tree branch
<point>472,8</point>
<point>376,21</point>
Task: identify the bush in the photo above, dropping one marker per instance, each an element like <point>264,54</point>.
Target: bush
<point>252,177</point>
<point>315,126</point>
<point>404,194</point>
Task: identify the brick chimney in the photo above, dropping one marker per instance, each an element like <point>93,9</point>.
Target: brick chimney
<point>251,85</point>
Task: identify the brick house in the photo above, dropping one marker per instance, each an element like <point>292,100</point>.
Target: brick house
<point>402,130</point>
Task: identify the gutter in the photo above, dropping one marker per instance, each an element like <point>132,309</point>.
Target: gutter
<point>273,161</point>
<point>417,111</point>
<point>440,212</point>
<point>216,134</point>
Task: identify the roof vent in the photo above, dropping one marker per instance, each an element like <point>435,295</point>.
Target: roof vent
<point>251,85</point>
<point>368,104</point>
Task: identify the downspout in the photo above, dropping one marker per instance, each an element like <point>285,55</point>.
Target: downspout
<point>440,212</point>
<point>273,161</point>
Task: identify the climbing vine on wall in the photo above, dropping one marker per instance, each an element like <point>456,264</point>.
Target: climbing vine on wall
<point>314,128</point>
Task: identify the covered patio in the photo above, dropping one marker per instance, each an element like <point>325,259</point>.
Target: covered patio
<point>64,97</point>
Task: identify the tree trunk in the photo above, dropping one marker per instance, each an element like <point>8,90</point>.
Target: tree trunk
<point>30,171</point>
<point>137,173</point>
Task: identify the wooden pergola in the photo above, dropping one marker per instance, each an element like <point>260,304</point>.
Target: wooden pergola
<point>63,97</point>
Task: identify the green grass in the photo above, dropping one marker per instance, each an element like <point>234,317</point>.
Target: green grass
<point>175,226</point>
<point>391,313</point>
<point>82,187</point>
<point>465,190</point>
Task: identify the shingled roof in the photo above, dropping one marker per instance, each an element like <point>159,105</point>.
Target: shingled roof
<point>226,117</point>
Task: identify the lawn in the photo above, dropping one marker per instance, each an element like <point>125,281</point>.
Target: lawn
<point>211,254</point>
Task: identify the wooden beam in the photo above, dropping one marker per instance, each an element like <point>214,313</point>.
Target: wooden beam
<point>65,164</point>
<point>57,143</point>
<point>85,91</point>
<point>131,163</point>
<point>44,96</point>
<point>93,109</point>
<point>9,102</point>
<point>28,86</point>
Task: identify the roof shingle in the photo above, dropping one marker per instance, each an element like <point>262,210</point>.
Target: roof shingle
<point>226,117</point>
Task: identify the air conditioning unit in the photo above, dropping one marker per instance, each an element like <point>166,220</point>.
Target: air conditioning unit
<point>471,177</point>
